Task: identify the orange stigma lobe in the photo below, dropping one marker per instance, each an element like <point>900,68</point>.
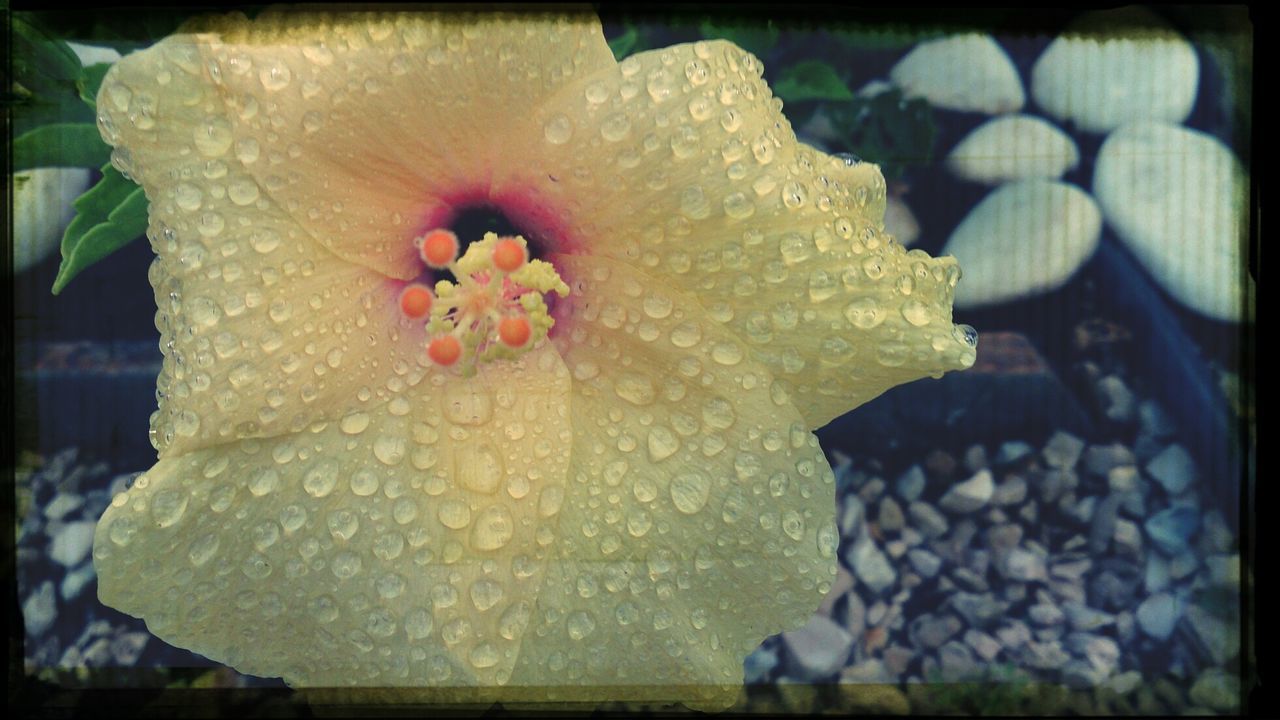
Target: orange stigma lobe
<point>444,350</point>
<point>439,248</point>
<point>514,330</point>
<point>508,255</point>
<point>415,301</point>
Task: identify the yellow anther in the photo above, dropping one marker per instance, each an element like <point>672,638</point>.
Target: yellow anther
<point>496,309</point>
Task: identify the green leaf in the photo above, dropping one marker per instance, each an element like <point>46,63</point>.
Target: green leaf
<point>60,145</point>
<point>624,44</point>
<point>44,73</point>
<point>90,80</point>
<point>750,37</point>
<point>887,129</point>
<point>811,80</point>
<point>109,216</point>
<point>866,39</point>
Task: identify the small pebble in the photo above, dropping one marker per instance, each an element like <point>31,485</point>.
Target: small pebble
<point>1173,469</point>
<point>1063,450</point>
<point>969,496</point>
<point>910,484</point>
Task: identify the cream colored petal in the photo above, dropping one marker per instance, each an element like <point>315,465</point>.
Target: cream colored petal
<point>372,127</point>
<point>391,549</point>
<point>263,330</point>
<point>698,510</point>
<point>680,162</point>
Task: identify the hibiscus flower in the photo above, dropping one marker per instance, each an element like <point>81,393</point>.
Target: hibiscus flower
<point>620,488</point>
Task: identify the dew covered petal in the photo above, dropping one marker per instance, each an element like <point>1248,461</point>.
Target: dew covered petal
<point>373,126</point>
<point>698,509</point>
<point>683,165</point>
<point>398,550</point>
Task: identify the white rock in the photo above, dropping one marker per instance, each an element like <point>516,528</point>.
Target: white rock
<point>1100,77</point>
<point>970,73</point>
<point>1173,469</point>
<point>42,208</point>
<point>1013,147</point>
<point>817,650</point>
<point>92,54</point>
<point>1024,239</point>
<point>874,88</point>
<point>72,543</point>
<point>900,222</point>
<point>1177,198</point>
<point>971,495</point>
<point>40,610</point>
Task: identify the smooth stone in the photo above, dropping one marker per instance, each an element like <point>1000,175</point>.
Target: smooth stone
<point>1183,564</point>
<point>41,210</point>
<point>1081,674</point>
<point>1124,479</point>
<point>1102,459</point>
<point>1023,566</point>
<point>1103,525</point>
<point>1127,538</point>
<point>969,496</point>
<point>1154,421</point>
<point>1217,690</point>
<point>75,581</point>
<point>1010,492</point>
<point>986,647</point>
<point>931,523</point>
<point>1219,640</point>
<point>970,580</point>
<point>1044,655</point>
<point>851,518</point>
<point>127,648</point>
<point>759,664</point>
<point>871,670</point>
<point>1046,614</point>
<point>1172,528</point>
<point>910,484</point>
<point>1158,615</point>
<point>941,464</point>
<point>1074,569</point>
<point>1125,682</point>
<point>818,650</point>
<point>1063,450</point>
<point>1099,76</point>
<point>1014,635</point>
<point>930,631</point>
<point>62,505</point>
<point>1177,198</point>
<point>969,73</point>
<point>1023,239</point>
<point>1013,147</point>
<point>1156,575</point>
<point>855,614</point>
<point>92,54</point>
<point>1083,618</point>
<point>39,610</point>
<point>1101,652</point>
<point>1013,451</point>
<point>924,562</point>
<point>1116,398</point>
<point>978,609</point>
<point>870,566</point>
<point>897,658</point>
<point>900,222</point>
<point>1173,469</point>
<point>72,543</point>
<point>956,662</point>
<point>871,490</point>
<point>1114,588</point>
<point>975,458</point>
<point>890,518</point>
<point>1215,535</point>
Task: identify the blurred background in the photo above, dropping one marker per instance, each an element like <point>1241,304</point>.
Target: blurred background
<point>1064,528</point>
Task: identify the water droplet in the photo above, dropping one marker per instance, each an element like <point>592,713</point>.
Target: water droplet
<point>275,76</point>
<point>213,136</point>
<point>293,517</point>
<point>662,443</point>
<point>795,248</point>
<point>493,528</point>
<point>727,353</point>
<point>738,206</point>
<point>689,492</point>
<point>966,335</point>
<point>264,482</point>
<point>256,567</point>
<point>580,624</point>
<point>485,593</point>
<point>915,312</point>
<point>345,565</point>
<point>864,313</point>
<point>718,414</point>
<point>389,449</point>
<point>321,478</point>
<point>597,93</point>
<point>343,524</point>
<point>514,619</point>
<point>615,127</point>
<point>686,334</point>
<point>454,514</point>
<point>265,534</point>
<point>793,194</point>
<point>168,506</point>
<point>635,388</point>
<point>660,85</point>
<point>202,549</point>
<point>558,129</point>
<point>418,623</point>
